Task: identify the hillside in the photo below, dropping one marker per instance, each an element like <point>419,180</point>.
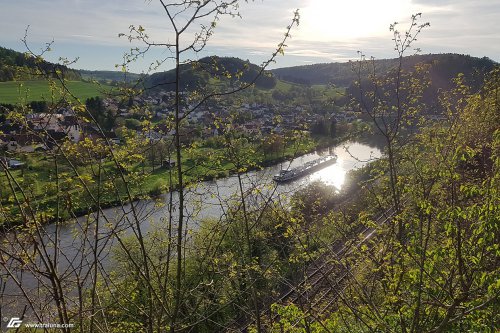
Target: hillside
<point>17,66</point>
<point>225,70</point>
<point>444,68</point>
<point>13,92</point>
<point>21,81</point>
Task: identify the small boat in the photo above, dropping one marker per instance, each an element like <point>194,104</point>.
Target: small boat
<point>307,168</point>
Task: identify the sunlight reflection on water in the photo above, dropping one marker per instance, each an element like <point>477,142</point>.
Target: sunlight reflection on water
<point>351,156</point>
<point>331,175</point>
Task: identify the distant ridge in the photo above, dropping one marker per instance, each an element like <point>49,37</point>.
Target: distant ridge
<point>109,76</point>
<point>444,68</point>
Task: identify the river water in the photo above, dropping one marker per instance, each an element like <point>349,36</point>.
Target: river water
<point>210,199</point>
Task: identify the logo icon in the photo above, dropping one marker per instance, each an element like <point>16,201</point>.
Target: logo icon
<point>14,322</point>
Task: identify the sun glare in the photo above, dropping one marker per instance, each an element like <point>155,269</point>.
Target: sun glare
<point>340,20</point>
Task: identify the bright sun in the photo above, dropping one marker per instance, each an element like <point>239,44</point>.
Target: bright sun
<point>345,19</point>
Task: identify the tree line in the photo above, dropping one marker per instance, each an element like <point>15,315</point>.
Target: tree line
<point>17,66</point>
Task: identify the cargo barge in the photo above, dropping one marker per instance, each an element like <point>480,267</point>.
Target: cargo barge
<point>307,168</point>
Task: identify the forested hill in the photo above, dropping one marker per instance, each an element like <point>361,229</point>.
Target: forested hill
<point>19,66</point>
<point>226,70</point>
<point>444,68</point>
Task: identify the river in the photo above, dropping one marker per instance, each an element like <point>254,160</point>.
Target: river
<point>209,199</point>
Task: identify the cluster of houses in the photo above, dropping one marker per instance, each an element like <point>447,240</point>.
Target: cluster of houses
<point>39,131</point>
<point>259,119</point>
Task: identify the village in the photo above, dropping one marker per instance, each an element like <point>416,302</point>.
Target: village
<point>43,131</point>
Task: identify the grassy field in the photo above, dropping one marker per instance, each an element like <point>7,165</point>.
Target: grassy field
<point>13,92</point>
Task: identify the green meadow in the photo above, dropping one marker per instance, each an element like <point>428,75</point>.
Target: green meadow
<point>14,92</point>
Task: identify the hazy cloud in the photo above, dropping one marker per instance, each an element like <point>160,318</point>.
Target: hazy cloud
<point>434,2</point>
<point>79,26</point>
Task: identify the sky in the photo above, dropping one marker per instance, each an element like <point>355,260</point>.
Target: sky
<point>329,30</point>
